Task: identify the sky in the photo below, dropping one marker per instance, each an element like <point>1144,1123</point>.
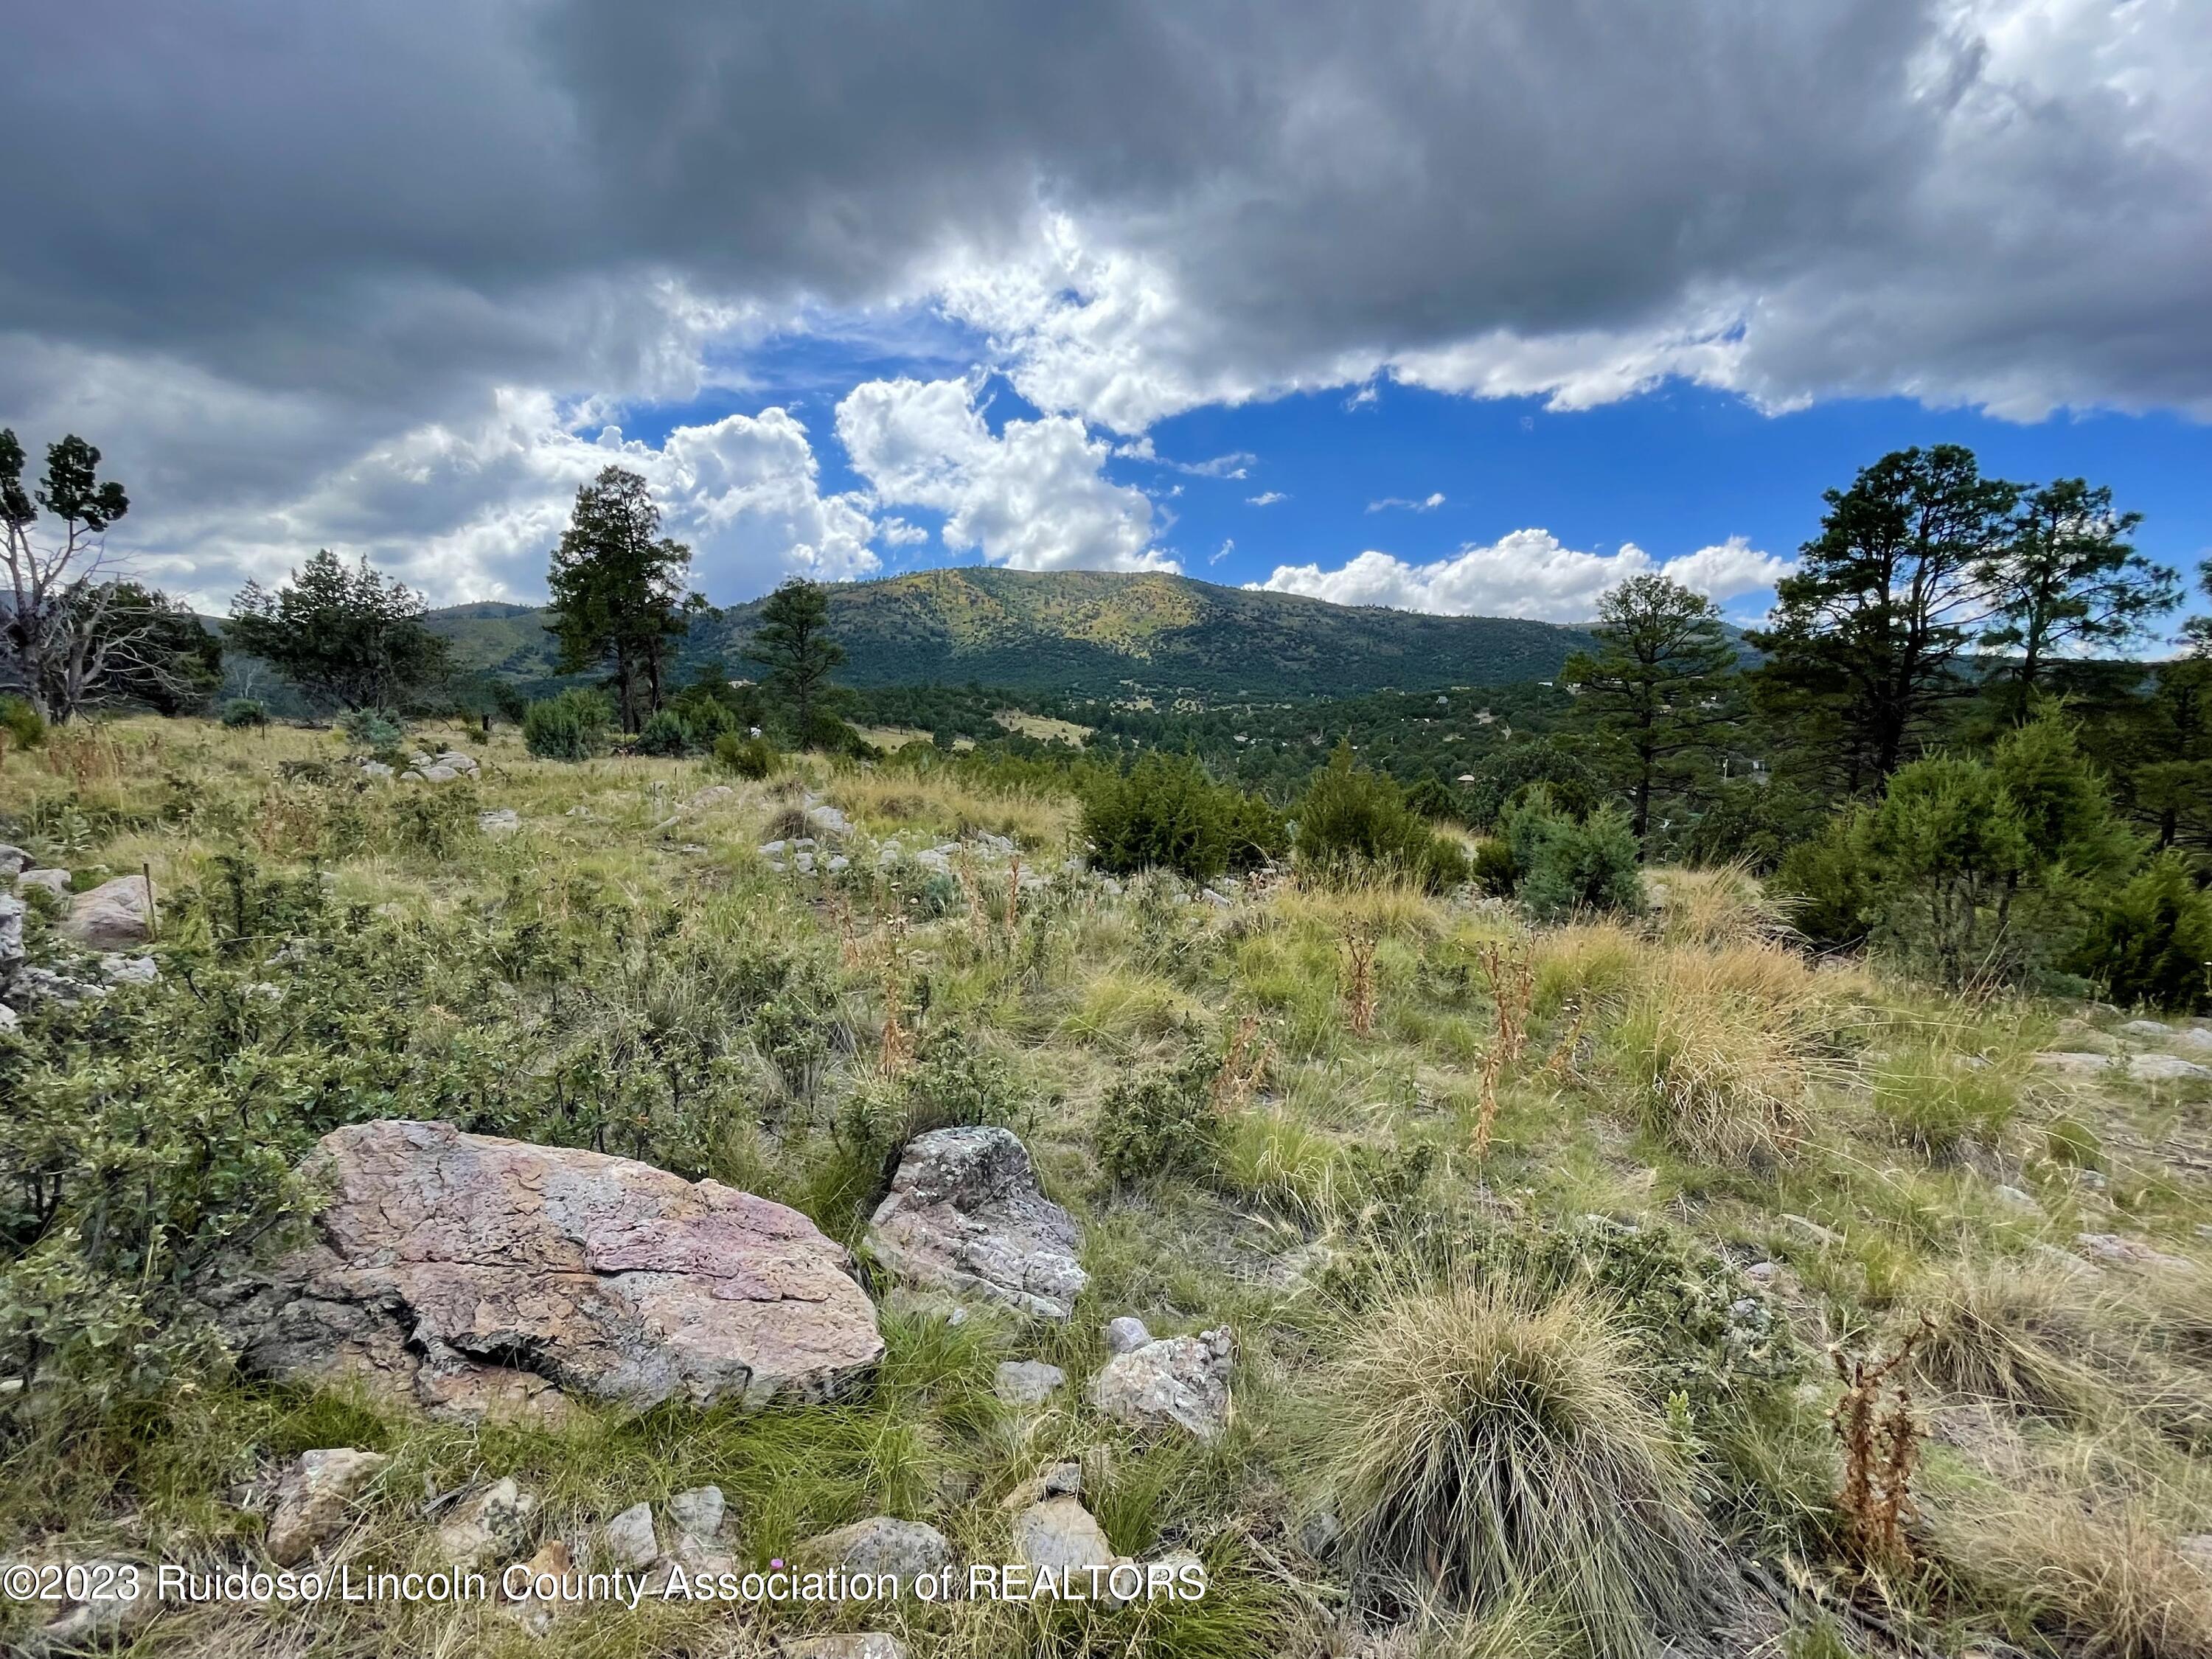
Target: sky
<point>1478,307</point>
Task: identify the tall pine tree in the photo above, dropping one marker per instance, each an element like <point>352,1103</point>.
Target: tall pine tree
<point>618,599</point>
<point>794,644</point>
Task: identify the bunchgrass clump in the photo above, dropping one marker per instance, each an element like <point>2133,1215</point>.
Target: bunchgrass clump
<point>1484,1446</point>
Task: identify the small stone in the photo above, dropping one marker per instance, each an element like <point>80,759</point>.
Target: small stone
<point>2073,1062</point>
<point>128,971</point>
<point>697,1513</point>
<point>863,1644</point>
<point>56,882</point>
<point>457,761</point>
<point>9,1020</point>
<point>1318,1534</point>
<point>906,1549</point>
<point>1027,1382</point>
<point>828,820</point>
<point>536,1612</point>
<point>500,821</point>
<point>965,1216</point>
<point>111,915</point>
<point>14,861</point>
<point>1179,1380</point>
<point>374,769</point>
<point>12,912</point>
<point>2151,1029</point>
<point>577,812</point>
<point>2115,1251</point>
<point>1060,1533</point>
<point>32,986</point>
<point>2017,1199</point>
<point>491,1526</point>
<point>315,1498</point>
<point>439,774</point>
<point>108,1621</point>
<point>2167,1068</point>
<point>1761,1273</point>
<point>628,1540</point>
<point>1126,1334</point>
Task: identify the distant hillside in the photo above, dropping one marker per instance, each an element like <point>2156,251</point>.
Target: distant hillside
<point>1093,632</point>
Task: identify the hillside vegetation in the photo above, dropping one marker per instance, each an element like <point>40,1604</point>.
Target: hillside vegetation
<point>1091,634</point>
<point>1634,1283</point>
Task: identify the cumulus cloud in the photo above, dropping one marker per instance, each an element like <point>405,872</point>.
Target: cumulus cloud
<point>1033,498</point>
<point>1530,573</point>
<point>1266,498</point>
<point>1428,503</point>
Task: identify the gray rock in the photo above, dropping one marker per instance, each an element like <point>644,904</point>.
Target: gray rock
<point>1027,1382</point>
<point>12,912</point>
<point>374,769</point>
<point>773,849</point>
<point>128,971</point>
<point>471,1276</point>
<point>577,812</point>
<point>315,1500</point>
<point>1761,1273</point>
<point>2197,1550</point>
<point>1126,1334</point>
<point>838,861</point>
<point>2115,1251</point>
<point>56,882</point>
<point>109,1622</point>
<point>2017,1199</point>
<point>862,1644</point>
<point>1180,1382</point>
<point>10,1019</point>
<point>2151,1029</point>
<point>828,820</point>
<point>14,861</point>
<point>628,1540</point>
<point>1061,1534</point>
<point>2073,1062</point>
<point>697,1513</point>
<point>492,1526</point>
<point>32,986</point>
<point>457,761</point>
<point>113,915</point>
<point>2167,1068</point>
<point>964,1215</point>
<point>1318,1534</point>
<point>438,775</point>
<point>881,1544</point>
<point>500,821</point>
<point>2197,1037</point>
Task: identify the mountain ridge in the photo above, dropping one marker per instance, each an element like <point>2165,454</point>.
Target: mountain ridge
<point>1093,632</point>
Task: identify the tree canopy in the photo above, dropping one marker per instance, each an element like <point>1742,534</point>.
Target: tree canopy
<point>618,596</point>
<point>348,637</point>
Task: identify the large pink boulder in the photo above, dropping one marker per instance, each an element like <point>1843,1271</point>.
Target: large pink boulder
<point>476,1276</point>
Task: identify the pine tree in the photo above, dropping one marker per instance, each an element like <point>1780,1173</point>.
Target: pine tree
<point>617,588</point>
<point>1659,691</point>
<point>794,644</point>
<point>349,638</point>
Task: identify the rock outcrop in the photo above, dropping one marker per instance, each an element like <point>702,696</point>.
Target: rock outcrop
<point>1179,1382</point>
<point>965,1215</point>
<point>474,1276</point>
<point>113,915</point>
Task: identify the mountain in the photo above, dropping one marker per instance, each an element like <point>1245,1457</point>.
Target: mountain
<point>1091,632</point>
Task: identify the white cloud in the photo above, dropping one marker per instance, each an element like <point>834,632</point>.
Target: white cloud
<point>1033,498</point>
<point>1428,503</point>
<point>1530,573</point>
<point>895,532</point>
<point>1228,546</point>
<point>1232,466</point>
<point>1266,498</point>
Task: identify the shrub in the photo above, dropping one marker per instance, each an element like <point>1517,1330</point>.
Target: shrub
<point>1565,866</point>
<point>1494,869</point>
<point>748,757</point>
<point>373,729</point>
<point>1484,1447</point>
<point>1165,813</point>
<point>667,733</point>
<point>1826,886</point>
<point>1161,1121</point>
<point>244,711</point>
<point>1352,818</point>
<point>2152,940</point>
<point>572,727</point>
<point>24,727</point>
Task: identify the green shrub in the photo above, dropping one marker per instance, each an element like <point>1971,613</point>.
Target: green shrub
<point>372,729</point>
<point>572,727</point>
<point>24,727</point>
<point>1825,885</point>
<point>1161,1121</point>
<point>2152,940</point>
<point>1494,869</point>
<point>748,757</point>
<point>667,733</point>
<point>1353,819</point>
<point>1567,866</point>
<point>244,711</point>
<point>1165,813</point>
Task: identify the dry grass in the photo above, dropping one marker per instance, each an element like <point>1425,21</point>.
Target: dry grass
<point>1586,962</point>
<point>1484,1448</point>
<point>1722,906</point>
<point>2016,1336</point>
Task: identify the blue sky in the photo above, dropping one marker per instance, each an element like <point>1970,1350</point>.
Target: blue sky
<point>1587,291</point>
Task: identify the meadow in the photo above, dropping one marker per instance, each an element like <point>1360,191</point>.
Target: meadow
<point>1642,1282</point>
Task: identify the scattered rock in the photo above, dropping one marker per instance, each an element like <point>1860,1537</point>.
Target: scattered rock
<point>32,986</point>
<point>128,971</point>
<point>2147,1027</point>
<point>1126,1334</point>
<point>111,915</point>
<point>1027,1382</point>
<point>437,774</point>
<point>2167,1068</point>
<point>1182,1381</point>
<point>544,1570</point>
<point>315,1500</point>
<point>2198,1037</point>
<point>577,812</point>
<point>628,1540</point>
<point>471,1275</point>
<point>2017,1199</point>
<point>1811,1231</point>
<point>863,1644</point>
<point>10,1019</point>
<point>828,820</point>
<point>697,1513</point>
<point>906,1549</point>
<point>1761,1273</point>
<point>500,821</point>
<point>56,882</point>
<point>1318,1534</point>
<point>1061,1534</point>
<point>965,1215</point>
<point>12,912</point>
<point>14,861</point>
<point>108,1621</point>
<point>455,761</point>
<point>2073,1062</point>
<point>2114,1251</point>
<point>1062,1479</point>
<point>375,768</point>
<point>491,1526</point>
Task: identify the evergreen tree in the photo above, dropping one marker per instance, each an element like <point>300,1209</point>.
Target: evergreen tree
<point>617,588</point>
<point>1865,644</point>
<point>346,638</point>
<point>794,644</point>
<point>1659,690</point>
<point>2069,581</point>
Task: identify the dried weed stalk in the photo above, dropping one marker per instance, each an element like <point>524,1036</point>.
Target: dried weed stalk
<point>1881,1448</point>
